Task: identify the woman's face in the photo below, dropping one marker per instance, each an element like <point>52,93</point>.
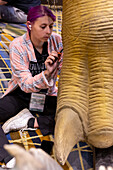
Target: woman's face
<point>41,29</point>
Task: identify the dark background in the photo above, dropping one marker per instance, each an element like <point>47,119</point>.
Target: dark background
<point>51,2</point>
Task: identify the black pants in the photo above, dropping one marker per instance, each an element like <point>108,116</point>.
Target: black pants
<point>12,104</point>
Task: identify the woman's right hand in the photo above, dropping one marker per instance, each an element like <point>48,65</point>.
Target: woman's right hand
<point>51,64</point>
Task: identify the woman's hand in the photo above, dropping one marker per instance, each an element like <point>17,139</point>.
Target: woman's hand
<point>3,2</point>
<point>51,64</point>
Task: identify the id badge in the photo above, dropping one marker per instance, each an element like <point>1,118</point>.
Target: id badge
<point>37,102</point>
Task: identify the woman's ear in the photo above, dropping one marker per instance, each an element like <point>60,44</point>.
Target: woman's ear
<point>29,25</point>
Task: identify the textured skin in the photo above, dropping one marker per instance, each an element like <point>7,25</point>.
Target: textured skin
<point>86,82</point>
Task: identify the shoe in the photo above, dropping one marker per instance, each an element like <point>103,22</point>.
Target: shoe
<point>17,122</point>
<point>10,164</point>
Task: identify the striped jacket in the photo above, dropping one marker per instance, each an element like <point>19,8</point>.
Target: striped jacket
<point>21,53</point>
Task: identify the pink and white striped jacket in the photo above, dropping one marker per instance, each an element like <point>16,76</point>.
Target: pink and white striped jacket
<point>21,53</point>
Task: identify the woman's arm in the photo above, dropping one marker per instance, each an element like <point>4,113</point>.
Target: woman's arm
<point>22,74</point>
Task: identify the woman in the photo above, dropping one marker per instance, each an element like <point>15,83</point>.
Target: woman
<point>35,63</point>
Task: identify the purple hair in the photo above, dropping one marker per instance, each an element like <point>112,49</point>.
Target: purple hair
<point>39,11</point>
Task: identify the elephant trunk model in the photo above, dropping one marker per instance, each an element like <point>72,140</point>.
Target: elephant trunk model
<point>85,94</point>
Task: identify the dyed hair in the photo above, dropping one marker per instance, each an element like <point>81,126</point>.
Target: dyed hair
<point>39,11</point>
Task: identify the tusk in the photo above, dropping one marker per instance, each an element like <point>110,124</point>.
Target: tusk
<point>68,131</point>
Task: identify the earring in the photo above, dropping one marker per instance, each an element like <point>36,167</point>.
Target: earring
<point>30,27</point>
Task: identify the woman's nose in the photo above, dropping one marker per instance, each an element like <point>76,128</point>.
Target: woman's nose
<point>48,30</point>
